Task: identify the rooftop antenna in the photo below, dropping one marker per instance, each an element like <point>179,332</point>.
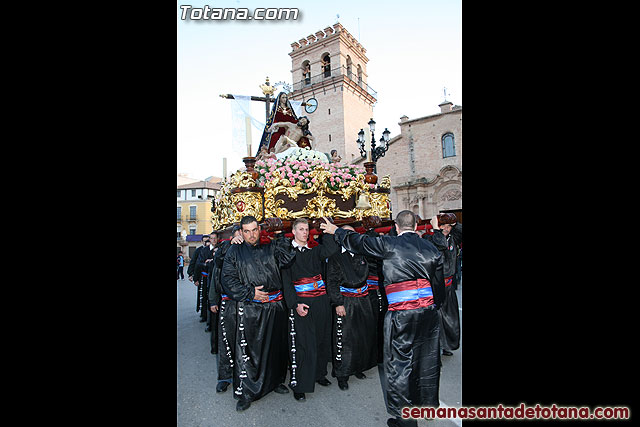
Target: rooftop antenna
<point>337,17</point>
<point>358,28</point>
<point>445,93</point>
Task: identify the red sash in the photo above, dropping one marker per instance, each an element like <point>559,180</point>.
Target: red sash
<point>409,295</point>
<point>372,281</point>
<point>310,286</point>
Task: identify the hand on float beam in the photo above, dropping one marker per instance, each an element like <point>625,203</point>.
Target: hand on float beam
<point>327,226</point>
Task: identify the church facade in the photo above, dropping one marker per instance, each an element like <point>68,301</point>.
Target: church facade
<point>425,164</point>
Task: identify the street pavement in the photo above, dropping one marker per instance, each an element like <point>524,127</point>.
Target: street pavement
<point>198,404</point>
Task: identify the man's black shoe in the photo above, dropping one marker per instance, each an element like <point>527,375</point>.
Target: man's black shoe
<point>202,320</point>
<point>281,389</point>
<point>325,382</point>
<point>222,387</point>
<point>242,405</point>
<point>299,396</point>
<point>360,376</point>
<point>343,385</point>
<point>446,352</point>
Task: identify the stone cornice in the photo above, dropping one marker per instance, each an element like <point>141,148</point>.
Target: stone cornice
<point>307,45</point>
<point>427,118</point>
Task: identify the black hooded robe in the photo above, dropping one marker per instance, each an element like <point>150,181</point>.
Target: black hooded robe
<point>376,295</point>
<point>194,271</point>
<point>449,312</point>
<point>414,286</point>
<point>205,271</point>
<point>310,335</point>
<point>226,325</point>
<point>260,359</point>
<point>354,348</point>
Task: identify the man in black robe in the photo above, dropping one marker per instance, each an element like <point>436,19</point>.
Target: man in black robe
<point>309,312</point>
<point>354,335</point>
<point>205,259</point>
<point>414,284</point>
<point>377,296</point>
<point>194,274</point>
<point>251,277</point>
<point>225,307</point>
<point>447,236</point>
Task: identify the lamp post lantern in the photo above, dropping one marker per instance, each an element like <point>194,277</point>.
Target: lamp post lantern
<point>378,150</point>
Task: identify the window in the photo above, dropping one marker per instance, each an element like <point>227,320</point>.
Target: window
<point>306,73</point>
<point>349,64</point>
<point>192,231</point>
<point>448,145</point>
<point>359,75</point>
<point>192,212</point>
<point>179,213</point>
<point>326,65</point>
<point>193,193</point>
<point>178,193</point>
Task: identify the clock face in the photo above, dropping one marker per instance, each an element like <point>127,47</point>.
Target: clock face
<point>311,106</point>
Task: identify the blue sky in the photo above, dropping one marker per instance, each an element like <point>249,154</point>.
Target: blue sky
<point>414,50</point>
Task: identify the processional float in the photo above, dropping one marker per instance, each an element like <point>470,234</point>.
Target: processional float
<point>278,187</point>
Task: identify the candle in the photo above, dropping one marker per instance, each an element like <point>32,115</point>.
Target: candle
<point>367,143</point>
<point>247,121</point>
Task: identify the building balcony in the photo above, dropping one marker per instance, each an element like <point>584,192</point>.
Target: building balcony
<point>334,75</point>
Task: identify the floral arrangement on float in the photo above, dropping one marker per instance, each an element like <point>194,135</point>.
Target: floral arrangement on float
<point>298,169</point>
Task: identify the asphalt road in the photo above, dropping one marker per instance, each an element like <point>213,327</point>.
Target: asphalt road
<point>198,404</point>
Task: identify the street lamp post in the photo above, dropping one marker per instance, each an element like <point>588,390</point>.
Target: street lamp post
<point>378,150</point>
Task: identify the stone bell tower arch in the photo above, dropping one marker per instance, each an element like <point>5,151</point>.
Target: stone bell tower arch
<point>331,66</point>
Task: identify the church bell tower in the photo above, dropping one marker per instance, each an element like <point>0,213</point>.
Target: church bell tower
<point>330,67</point>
